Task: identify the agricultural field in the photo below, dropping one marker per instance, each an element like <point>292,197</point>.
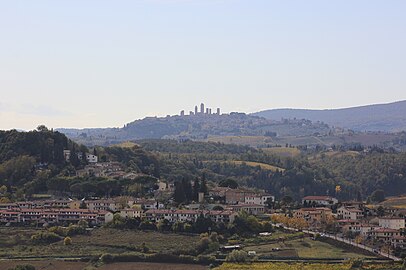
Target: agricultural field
<point>70,265</point>
<point>395,202</point>
<point>15,242</point>
<point>282,151</point>
<point>302,248</point>
<point>304,266</point>
<point>255,164</point>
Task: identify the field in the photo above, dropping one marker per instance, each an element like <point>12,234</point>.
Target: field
<point>304,249</point>
<point>303,266</point>
<point>15,242</point>
<point>58,265</point>
<point>282,151</point>
<point>395,202</point>
<point>255,164</point>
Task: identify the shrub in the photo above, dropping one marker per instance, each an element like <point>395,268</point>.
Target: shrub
<point>356,263</point>
<point>67,241</point>
<point>45,238</point>
<point>238,256</point>
<point>106,258</point>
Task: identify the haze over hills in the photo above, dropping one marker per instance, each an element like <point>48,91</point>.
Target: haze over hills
<point>263,129</point>
<point>389,117</point>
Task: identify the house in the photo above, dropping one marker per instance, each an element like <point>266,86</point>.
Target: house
<point>384,234</point>
<point>349,213</point>
<point>313,201</point>
<point>395,223</point>
<point>66,155</point>
<point>314,216</point>
<point>91,158</point>
<point>148,204</point>
<point>398,242</point>
<point>131,213</point>
<point>218,191</point>
<point>189,215</point>
<point>252,209</point>
<point>235,196</point>
<point>104,204</point>
<point>259,199</point>
<point>353,204</point>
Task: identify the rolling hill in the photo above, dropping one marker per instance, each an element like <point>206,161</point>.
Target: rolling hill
<point>389,117</point>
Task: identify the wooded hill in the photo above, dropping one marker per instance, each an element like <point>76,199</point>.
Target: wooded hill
<point>31,163</point>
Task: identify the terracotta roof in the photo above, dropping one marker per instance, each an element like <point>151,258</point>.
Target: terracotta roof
<point>318,198</point>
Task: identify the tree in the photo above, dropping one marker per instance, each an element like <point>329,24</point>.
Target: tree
<point>238,256</point>
<point>377,196</point>
<point>229,183</point>
<point>196,189</point>
<point>179,194</point>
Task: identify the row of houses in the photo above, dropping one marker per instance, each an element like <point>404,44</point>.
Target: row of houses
<point>54,216</point>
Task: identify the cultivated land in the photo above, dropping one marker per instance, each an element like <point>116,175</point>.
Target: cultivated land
<point>304,266</point>
<point>282,151</point>
<point>395,202</point>
<point>15,242</point>
<point>59,265</point>
<point>303,249</point>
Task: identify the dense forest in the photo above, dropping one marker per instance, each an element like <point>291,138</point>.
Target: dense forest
<point>33,163</point>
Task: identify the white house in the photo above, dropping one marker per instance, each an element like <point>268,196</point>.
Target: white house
<point>319,201</point>
<point>91,158</point>
<point>258,199</point>
<point>394,223</point>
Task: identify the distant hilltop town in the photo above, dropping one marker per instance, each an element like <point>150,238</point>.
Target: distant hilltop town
<point>202,111</point>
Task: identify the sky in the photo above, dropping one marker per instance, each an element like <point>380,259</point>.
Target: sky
<point>75,63</point>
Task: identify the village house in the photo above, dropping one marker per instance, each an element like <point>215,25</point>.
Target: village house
<point>395,223</point>
<point>189,215</point>
<point>314,201</point>
<point>399,242</point>
<point>103,204</point>
<point>258,199</point>
<point>252,209</point>
<point>148,204</point>
<point>384,234</point>
<point>314,216</point>
<point>349,213</point>
<point>131,213</point>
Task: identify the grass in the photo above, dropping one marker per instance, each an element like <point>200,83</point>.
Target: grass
<point>303,248</point>
<point>263,166</point>
<point>282,151</point>
<point>126,145</point>
<point>100,241</point>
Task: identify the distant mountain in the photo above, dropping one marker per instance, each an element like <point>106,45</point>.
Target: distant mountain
<point>389,117</point>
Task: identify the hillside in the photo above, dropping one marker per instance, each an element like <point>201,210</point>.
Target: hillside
<point>196,127</point>
<point>389,117</point>
<point>32,163</point>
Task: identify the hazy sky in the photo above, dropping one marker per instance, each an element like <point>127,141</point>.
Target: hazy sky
<point>82,63</point>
